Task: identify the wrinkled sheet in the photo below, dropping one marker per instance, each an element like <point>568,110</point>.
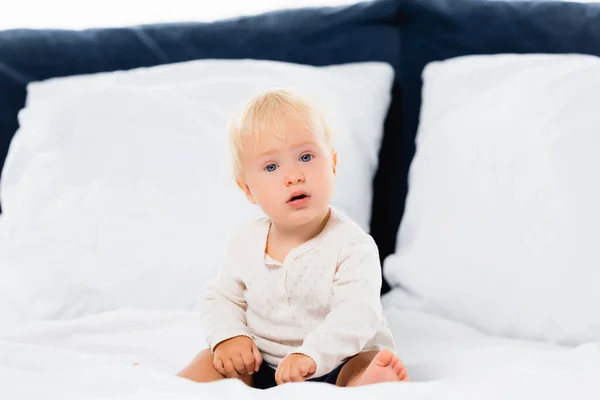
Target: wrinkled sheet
<point>92,358</point>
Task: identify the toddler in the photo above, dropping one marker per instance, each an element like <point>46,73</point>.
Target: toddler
<point>298,296</point>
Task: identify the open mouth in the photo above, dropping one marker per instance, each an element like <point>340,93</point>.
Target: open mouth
<point>298,196</point>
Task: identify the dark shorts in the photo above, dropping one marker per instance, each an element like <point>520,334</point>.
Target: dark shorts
<point>265,377</point>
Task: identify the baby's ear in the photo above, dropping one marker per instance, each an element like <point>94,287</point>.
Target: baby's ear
<point>246,189</point>
<point>334,162</point>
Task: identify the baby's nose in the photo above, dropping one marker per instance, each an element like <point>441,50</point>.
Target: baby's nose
<point>294,179</point>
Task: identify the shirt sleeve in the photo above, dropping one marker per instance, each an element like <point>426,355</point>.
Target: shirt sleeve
<point>224,305</point>
<point>355,316</point>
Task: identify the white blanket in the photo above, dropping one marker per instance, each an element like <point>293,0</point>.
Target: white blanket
<point>92,357</point>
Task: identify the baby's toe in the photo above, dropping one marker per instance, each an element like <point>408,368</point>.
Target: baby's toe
<point>401,371</point>
<point>397,365</point>
<point>384,358</point>
<point>403,375</point>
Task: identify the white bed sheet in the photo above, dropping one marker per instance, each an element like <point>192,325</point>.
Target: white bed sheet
<point>92,357</point>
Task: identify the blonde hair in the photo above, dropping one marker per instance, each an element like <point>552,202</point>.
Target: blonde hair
<point>265,113</point>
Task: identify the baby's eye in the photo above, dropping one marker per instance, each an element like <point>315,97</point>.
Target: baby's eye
<point>306,157</point>
<point>271,167</point>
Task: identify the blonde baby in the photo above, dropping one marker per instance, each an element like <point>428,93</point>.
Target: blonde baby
<point>298,298</point>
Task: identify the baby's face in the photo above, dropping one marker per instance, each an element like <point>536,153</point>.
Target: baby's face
<point>290,175</point>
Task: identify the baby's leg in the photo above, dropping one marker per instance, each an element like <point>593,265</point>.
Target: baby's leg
<point>372,367</point>
<point>201,369</point>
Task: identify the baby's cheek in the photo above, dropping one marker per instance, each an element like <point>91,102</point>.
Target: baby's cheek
<point>270,194</point>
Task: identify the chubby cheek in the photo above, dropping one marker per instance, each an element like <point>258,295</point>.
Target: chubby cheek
<point>324,178</point>
<point>266,195</point>
<point>328,185</point>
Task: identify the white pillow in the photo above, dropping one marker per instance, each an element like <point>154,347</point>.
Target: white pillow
<point>116,191</point>
<point>502,215</point>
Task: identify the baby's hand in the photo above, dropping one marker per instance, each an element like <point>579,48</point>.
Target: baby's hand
<point>237,356</point>
<point>295,368</point>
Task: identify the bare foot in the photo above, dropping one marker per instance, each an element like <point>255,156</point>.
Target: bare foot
<point>385,367</point>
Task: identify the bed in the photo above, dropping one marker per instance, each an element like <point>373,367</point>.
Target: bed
<point>93,357</point>
<point>468,153</point>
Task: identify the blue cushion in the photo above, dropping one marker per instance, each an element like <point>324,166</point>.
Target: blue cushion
<point>318,36</point>
<point>435,30</point>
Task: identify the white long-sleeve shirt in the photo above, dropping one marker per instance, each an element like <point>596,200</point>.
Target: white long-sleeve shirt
<point>322,301</point>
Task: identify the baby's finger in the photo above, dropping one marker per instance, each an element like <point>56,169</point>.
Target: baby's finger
<point>230,371</point>
<point>282,375</point>
<point>218,364</point>
<point>238,364</point>
<point>257,358</point>
<point>278,375</point>
<point>312,367</point>
<point>285,375</point>
<point>303,369</point>
<point>295,375</point>
<point>248,359</point>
